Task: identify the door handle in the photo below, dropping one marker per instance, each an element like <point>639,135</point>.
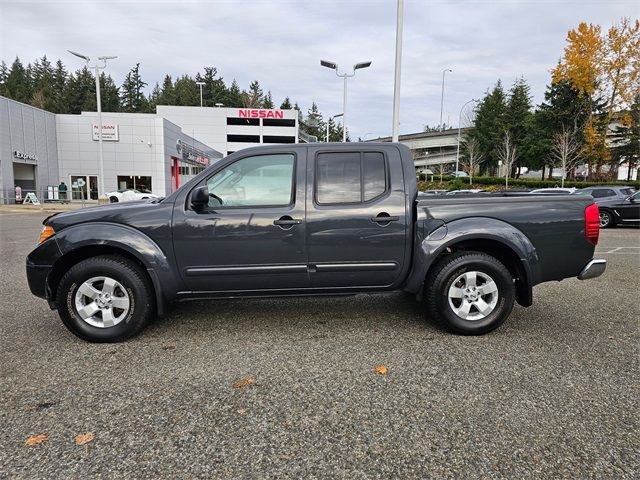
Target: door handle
<point>384,218</point>
<point>287,221</point>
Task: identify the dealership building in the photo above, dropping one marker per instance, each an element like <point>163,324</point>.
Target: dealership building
<point>149,152</point>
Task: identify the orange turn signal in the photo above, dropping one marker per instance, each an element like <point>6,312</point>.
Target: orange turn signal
<point>47,232</point>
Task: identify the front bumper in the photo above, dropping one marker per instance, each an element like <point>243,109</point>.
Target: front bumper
<point>593,269</point>
<point>37,279</point>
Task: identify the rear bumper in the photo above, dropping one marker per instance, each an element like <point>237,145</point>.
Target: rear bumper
<point>593,269</point>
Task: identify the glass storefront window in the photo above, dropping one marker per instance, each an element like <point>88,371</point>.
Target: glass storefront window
<point>141,183</point>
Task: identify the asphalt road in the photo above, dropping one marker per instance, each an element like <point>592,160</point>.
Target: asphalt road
<point>553,393</point>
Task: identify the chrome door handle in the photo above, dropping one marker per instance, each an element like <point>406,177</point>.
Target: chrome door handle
<point>384,218</point>
<point>287,221</point>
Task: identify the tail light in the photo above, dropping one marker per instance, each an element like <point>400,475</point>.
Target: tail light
<point>592,223</point>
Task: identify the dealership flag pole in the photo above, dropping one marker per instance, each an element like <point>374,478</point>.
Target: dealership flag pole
<point>396,86</point>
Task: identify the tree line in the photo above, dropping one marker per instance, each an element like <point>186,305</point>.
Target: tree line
<point>590,113</point>
<point>50,86</point>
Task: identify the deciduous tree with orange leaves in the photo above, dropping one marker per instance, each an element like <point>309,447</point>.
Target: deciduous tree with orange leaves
<point>604,68</point>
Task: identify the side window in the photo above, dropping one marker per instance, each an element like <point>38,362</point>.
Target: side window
<point>602,192</point>
<point>349,177</point>
<point>259,181</point>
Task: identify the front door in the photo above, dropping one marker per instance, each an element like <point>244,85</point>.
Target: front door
<point>251,235</point>
<point>357,221</point>
<point>629,208</point>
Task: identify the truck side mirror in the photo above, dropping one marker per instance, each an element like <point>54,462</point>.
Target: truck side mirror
<point>200,197</point>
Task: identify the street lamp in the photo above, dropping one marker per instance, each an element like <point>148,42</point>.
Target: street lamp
<point>335,116</point>
<point>200,84</point>
<point>459,124</point>
<point>395,127</point>
<point>97,69</point>
<point>442,96</point>
<point>344,76</point>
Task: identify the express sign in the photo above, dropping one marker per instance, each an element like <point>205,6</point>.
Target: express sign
<point>246,113</point>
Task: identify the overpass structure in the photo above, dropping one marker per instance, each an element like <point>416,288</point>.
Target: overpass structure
<point>431,148</point>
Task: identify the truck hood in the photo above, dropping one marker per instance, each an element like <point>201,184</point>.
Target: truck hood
<point>125,212</point>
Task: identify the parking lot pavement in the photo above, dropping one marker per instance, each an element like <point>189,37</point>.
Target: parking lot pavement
<point>553,393</point>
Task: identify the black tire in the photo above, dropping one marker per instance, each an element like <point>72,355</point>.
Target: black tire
<point>441,278</point>
<point>131,277</point>
<point>113,199</point>
<point>606,219</point>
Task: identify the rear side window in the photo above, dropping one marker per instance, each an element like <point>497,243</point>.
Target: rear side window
<point>627,191</point>
<point>350,177</point>
<point>602,192</point>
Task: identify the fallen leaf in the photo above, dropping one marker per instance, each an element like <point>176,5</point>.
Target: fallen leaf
<point>242,411</point>
<point>85,438</point>
<point>381,370</point>
<point>245,382</point>
<point>610,338</point>
<point>36,439</point>
<point>168,347</point>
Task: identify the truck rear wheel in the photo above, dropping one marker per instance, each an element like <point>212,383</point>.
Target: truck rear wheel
<point>471,293</point>
<point>105,299</point>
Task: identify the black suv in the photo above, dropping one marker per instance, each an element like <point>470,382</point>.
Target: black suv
<point>618,204</point>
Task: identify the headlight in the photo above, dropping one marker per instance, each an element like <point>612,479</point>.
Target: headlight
<point>47,232</point>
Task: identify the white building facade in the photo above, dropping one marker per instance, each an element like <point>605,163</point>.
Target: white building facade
<point>228,130</point>
<point>154,153</point>
<point>141,151</point>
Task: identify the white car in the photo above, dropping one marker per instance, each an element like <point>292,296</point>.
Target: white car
<point>129,195</point>
<point>555,191</point>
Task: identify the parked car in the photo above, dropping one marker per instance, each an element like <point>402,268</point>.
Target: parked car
<point>310,219</point>
<point>432,192</point>
<point>470,191</point>
<point>129,195</point>
<point>553,191</point>
<point>618,204</point>
<point>459,174</point>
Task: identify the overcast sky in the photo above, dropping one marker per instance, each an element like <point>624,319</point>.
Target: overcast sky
<point>280,43</point>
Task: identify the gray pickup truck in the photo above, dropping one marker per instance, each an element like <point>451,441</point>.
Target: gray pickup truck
<point>318,219</point>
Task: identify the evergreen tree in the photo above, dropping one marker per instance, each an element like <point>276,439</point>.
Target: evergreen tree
<point>59,81</point>
<point>268,101</point>
<point>490,124</point>
<point>214,88</point>
<point>187,91</point>
<point>313,124</point>
<point>254,97</point>
<point>286,104</point>
<point>17,85</point>
<point>517,117</point>
<point>80,92</point>
<point>167,94</point>
<point>109,95</point>
<point>234,96</point>
<point>132,97</point>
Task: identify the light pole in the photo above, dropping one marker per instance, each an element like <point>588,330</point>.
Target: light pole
<point>344,76</point>
<point>442,96</point>
<point>459,125</point>
<point>335,116</point>
<point>200,84</point>
<point>395,128</point>
<point>97,69</point>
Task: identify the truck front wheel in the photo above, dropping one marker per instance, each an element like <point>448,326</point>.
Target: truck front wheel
<point>471,293</point>
<point>105,299</point>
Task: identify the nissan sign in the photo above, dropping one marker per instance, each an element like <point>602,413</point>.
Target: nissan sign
<point>248,113</point>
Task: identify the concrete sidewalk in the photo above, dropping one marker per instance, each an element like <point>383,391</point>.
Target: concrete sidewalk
<point>45,207</point>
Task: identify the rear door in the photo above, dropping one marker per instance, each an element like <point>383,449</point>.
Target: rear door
<point>357,223</point>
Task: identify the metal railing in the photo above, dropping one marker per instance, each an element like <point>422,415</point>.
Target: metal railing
<point>44,195</point>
